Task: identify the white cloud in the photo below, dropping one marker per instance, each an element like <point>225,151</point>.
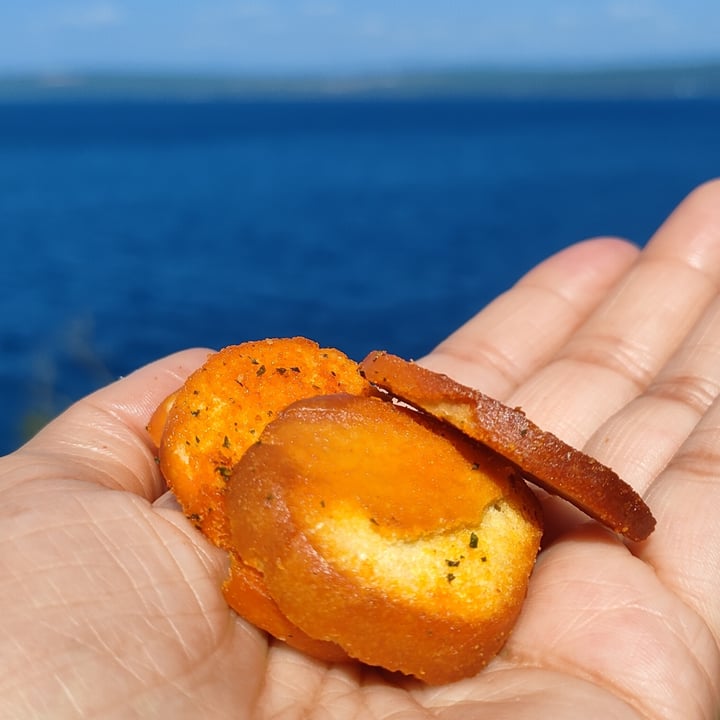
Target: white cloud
<point>319,8</point>
<point>93,15</point>
<point>252,10</point>
<point>373,26</point>
<point>567,19</point>
<point>632,10</point>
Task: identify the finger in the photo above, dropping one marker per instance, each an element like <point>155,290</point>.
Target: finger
<point>102,438</point>
<point>640,440</point>
<point>617,353</point>
<point>685,550</point>
<point>521,330</point>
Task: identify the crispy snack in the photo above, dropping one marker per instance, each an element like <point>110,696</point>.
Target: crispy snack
<point>387,532</point>
<point>539,456</point>
<point>423,541</point>
<point>221,410</point>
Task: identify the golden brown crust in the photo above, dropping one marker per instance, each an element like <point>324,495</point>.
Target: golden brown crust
<point>387,532</point>
<point>539,456</point>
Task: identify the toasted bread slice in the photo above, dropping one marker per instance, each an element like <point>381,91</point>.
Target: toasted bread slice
<point>223,407</point>
<point>386,532</point>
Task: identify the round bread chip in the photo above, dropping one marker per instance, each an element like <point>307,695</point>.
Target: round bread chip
<point>387,532</point>
<point>223,407</point>
<point>539,456</point>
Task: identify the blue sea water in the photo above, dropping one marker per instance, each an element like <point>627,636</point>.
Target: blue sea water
<point>130,230</point>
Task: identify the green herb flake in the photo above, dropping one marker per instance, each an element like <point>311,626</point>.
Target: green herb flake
<point>450,577</point>
<point>281,370</point>
<point>473,540</point>
<point>260,371</point>
<point>223,470</point>
<point>226,442</point>
<point>452,563</point>
<point>194,413</point>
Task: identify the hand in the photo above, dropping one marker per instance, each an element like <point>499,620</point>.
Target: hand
<point>110,602</point>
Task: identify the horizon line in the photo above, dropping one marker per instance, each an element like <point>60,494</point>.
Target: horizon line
<point>701,79</point>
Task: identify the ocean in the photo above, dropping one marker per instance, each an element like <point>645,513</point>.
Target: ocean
<point>130,230</point>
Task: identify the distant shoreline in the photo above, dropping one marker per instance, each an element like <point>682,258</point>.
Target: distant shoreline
<point>671,82</point>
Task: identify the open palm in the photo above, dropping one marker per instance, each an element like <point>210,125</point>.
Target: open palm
<point>110,600</point>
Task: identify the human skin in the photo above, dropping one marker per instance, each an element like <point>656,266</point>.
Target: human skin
<point>110,601</point>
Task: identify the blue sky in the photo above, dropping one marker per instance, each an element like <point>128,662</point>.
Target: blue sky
<point>339,35</point>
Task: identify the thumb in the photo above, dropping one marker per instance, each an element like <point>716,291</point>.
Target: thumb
<point>102,438</point>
